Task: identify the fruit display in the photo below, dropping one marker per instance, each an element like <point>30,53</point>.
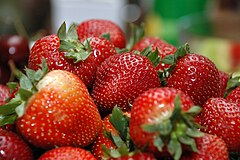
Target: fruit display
<point>89,92</point>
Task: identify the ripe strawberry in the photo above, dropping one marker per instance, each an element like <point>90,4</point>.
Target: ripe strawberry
<point>120,79</point>
<point>159,123</point>
<point>65,52</point>
<point>163,48</point>
<point>234,96</point>
<point>222,118</point>
<point>195,75</point>
<point>55,111</point>
<point>4,94</point>
<point>64,153</point>
<point>14,147</point>
<point>136,156</point>
<point>99,27</point>
<point>224,77</point>
<point>209,147</point>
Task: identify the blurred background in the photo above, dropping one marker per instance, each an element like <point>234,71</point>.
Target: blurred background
<point>211,27</point>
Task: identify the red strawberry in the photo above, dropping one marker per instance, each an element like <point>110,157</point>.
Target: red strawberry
<point>222,118</point>
<point>56,111</point>
<point>120,79</point>
<point>157,124</point>
<point>137,156</point>
<point>163,48</point>
<point>99,27</point>
<point>209,147</point>
<point>65,153</point>
<point>67,53</point>
<point>234,96</point>
<point>195,75</point>
<point>4,93</point>
<point>224,77</point>
<point>12,147</point>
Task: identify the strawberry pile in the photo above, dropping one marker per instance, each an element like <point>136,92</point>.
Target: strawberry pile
<point>90,93</point>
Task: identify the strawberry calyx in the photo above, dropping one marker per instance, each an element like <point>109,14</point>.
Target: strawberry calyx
<point>122,140</point>
<point>26,87</point>
<point>172,61</point>
<point>70,44</point>
<point>180,128</point>
<point>233,82</point>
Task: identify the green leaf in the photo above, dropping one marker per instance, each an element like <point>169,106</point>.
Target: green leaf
<point>62,31</point>
<point>44,67</point>
<point>106,36</point>
<point>194,133</point>
<point>20,110</point>
<point>12,85</point>
<point>66,45</point>
<point>194,110</point>
<point>182,51</point>
<point>175,149</point>
<point>8,119</point>
<point>119,122</point>
<point>38,75</point>
<point>25,82</point>
<point>120,51</point>
<point>152,56</point>
<point>168,59</point>
<point>9,108</point>
<point>30,74</point>
<point>188,141</point>
<point>24,94</point>
<point>158,143</point>
<point>165,128</point>
<point>117,140</point>
<point>123,150</point>
<point>72,32</point>
<point>150,128</point>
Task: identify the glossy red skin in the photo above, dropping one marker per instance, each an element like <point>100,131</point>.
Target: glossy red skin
<point>234,96</point>
<point>137,156</point>
<point>224,77</point>
<point>150,108</point>
<point>48,48</point>
<point>98,27</point>
<point>120,79</point>
<point>61,113</point>
<point>13,146</point>
<point>209,147</point>
<point>96,149</point>
<point>4,94</point>
<point>14,47</point>
<point>163,47</point>
<point>197,76</point>
<point>65,153</point>
<point>222,118</point>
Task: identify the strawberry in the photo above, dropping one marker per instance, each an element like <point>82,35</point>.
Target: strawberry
<point>224,77</point>
<point>209,147</point>
<point>99,27</point>
<point>65,52</point>
<point>222,118</point>
<point>120,79</point>
<point>4,93</point>
<point>53,110</point>
<point>156,43</point>
<point>194,74</point>
<point>64,153</point>
<point>161,120</point>
<point>12,146</point>
<point>234,96</point>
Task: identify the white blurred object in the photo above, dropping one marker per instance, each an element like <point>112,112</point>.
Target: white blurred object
<point>79,10</point>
